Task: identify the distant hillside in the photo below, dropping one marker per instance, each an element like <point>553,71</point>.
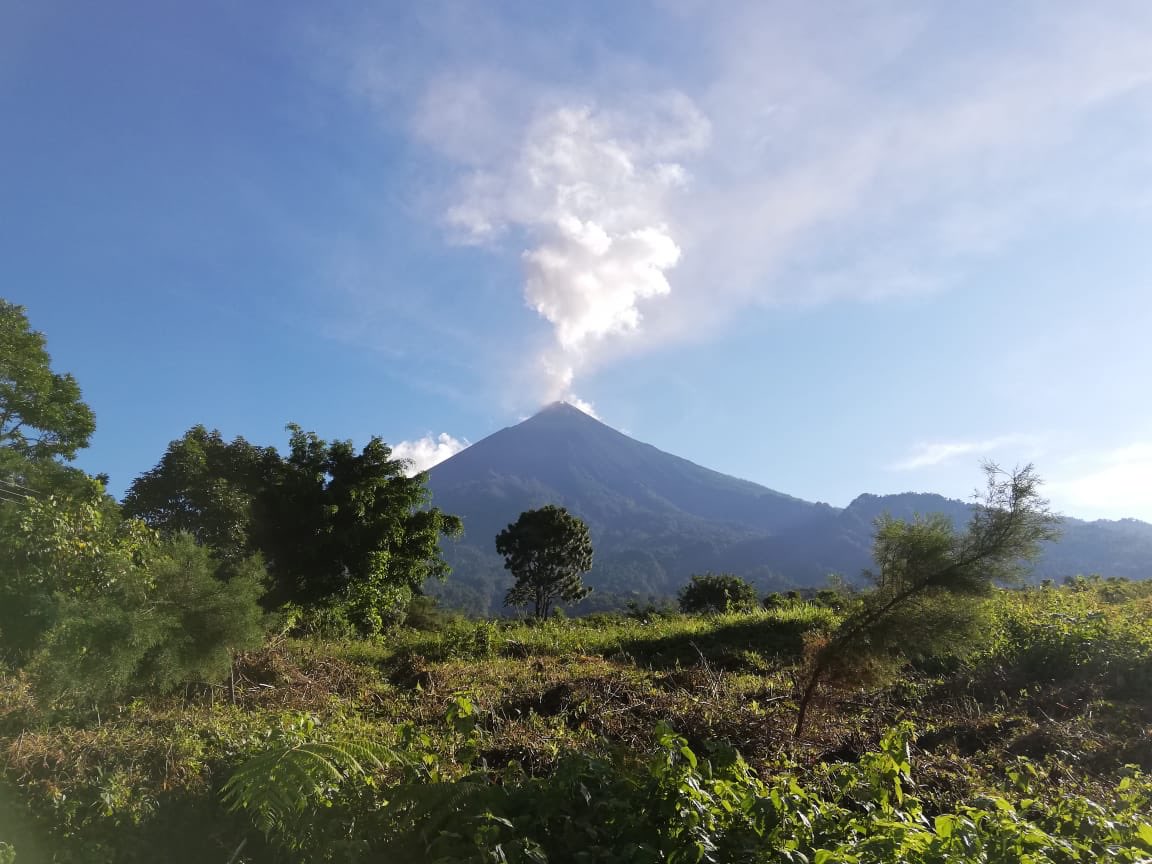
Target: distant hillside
<point>841,542</point>
<point>656,518</point>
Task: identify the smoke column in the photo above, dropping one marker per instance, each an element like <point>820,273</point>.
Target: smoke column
<point>589,192</point>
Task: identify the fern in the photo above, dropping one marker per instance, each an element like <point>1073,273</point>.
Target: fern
<point>285,781</point>
<point>279,786</point>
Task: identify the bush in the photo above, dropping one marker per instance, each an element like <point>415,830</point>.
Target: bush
<point>424,613</point>
<point>182,630</point>
<point>55,550</point>
<point>716,593</point>
<point>680,805</point>
<point>1066,637</point>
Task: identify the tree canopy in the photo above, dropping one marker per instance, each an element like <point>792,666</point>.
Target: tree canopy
<point>41,413</point>
<point>333,524</point>
<point>713,593</point>
<point>547,551</point>
<point>207,487</point>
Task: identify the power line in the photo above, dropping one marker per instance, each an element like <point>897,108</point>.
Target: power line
<point>14,485</point>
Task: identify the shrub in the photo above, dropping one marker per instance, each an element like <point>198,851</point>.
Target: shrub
<point>57,550</point>
<point>425,613</point>
<point>1064,637</point>
<point>931,582</point>
<point>716,593</point>
<point>679,805</point>
<point>181,630</point>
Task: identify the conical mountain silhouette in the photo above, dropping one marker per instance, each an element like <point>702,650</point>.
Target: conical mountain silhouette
<point>562,455</point>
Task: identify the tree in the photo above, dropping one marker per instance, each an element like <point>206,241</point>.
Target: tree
<point>714,593</point>
<point>54,550</point>
<point>335,526</point>
<point>205,486</point>
<point>41,413</point>
<point>547,551</point>
<point>931,579</point>
<point>94,605</point>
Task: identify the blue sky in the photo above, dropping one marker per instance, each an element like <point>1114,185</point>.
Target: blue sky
<point>833,248</point>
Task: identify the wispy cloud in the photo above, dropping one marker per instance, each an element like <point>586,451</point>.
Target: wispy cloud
<point>797,154</point>
<point>423,453</point>
<point>927,455</point>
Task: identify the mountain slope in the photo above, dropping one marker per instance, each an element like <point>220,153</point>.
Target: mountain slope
<point>656,518</point>
<point>653,516</point>
<point>565,452</point>
<point>841,542</point>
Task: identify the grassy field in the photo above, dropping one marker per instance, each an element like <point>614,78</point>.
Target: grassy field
<point>627,714</point>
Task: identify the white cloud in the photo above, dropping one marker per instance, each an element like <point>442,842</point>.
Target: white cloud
<point>879,156</point>
<point>1112,484</point>
<point>425,452</point>
<point>930,454</point>
<point>585,406</point>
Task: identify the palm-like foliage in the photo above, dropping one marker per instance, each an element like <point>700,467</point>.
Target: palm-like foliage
<point>280,784</point>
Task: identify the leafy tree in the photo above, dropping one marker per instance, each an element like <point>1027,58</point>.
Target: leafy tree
<point>58,549</point>
<point>334,525</point>
<point>43,421</point>
<point>930,579</point>
<point>207,487</point>
<point>547,551</point>
<point>95,605</point>
<point>713,593</point>
<point>41,413</point>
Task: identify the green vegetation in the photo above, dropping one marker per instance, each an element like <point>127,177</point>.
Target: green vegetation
<point>712,593</point>
<point>932,580</point>
<point>623,738</point>
<point>42,416</point>
<point>342,532</point>
<point>546,551</point>
<point>235,666</point>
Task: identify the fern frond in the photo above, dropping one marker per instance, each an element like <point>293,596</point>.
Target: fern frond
<point>284,781</point>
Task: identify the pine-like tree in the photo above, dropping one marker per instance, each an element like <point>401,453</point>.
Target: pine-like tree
<point>547,551</point>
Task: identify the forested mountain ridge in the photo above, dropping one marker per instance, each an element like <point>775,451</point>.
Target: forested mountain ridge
<point>656,518</point>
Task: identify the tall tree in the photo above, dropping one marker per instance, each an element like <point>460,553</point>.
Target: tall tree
<point>207,487</point>
<point>342,524</point>
<point>41,413</point>
<point>547,551</point>
<point>333,524</point>
<point>930,579</point>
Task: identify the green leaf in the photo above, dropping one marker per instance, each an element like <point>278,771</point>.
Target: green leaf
<point>1144,831</point>
<point>945,825</point>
